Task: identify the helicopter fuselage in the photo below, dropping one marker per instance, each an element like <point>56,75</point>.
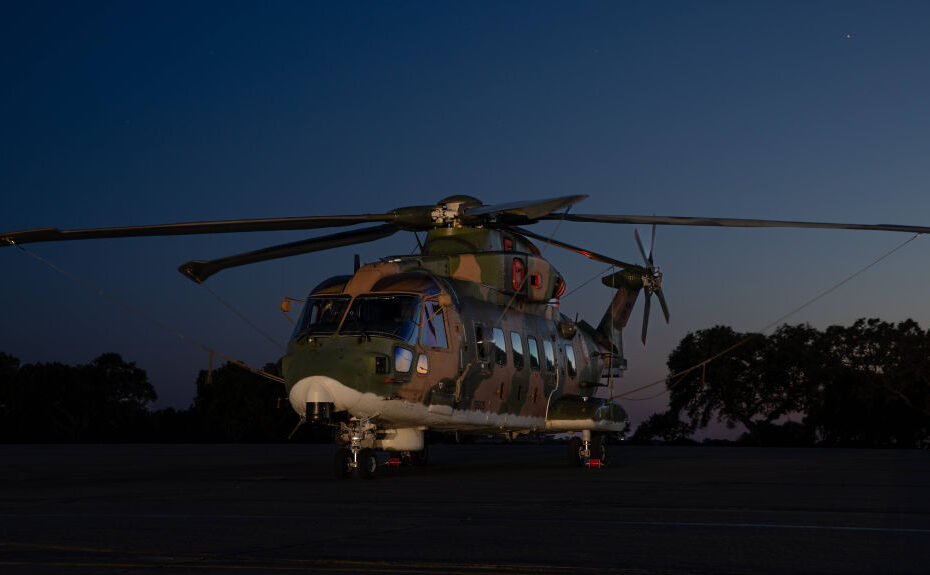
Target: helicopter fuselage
<point>470,342</point>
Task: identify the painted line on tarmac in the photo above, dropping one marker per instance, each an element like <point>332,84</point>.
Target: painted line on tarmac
<point>615,522</point>
<point>755,526</point>
<point>129,559</point>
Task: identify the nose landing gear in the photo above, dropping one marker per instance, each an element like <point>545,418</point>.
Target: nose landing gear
<point>359,455</point>
<point>363,443</point>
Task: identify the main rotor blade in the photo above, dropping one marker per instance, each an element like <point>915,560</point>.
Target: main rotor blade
<point>199,271</point>
<point>522,212</point>
<point>587,253</point>
<point>209,227</point>
<point>731,222</point>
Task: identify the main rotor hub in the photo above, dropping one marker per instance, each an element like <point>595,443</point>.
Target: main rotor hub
<point>448,212</point>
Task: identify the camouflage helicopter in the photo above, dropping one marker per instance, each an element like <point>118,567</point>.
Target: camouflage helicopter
<point>464,337</point>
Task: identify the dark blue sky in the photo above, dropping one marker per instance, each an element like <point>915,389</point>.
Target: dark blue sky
<point>149,112</point>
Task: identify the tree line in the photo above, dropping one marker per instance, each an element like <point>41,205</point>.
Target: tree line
<point>863,385</point>
<point>109,400</point>
<point>867,384</point>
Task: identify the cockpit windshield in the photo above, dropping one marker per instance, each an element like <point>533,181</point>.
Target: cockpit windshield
<point>322,315</point>
<point>394,316</point>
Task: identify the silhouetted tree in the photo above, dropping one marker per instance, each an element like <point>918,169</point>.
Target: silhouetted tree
<point>238,405</point>
<point>9,367</point>
<point>729,389</point>
<point>875,386</point>
<point>867,384</point>
<point>664,427</point>
<point>105,400</point>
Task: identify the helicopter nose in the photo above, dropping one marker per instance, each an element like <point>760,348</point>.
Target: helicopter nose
<point>317,397</point>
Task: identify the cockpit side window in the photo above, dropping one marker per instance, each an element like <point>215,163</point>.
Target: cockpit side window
<point>481,345</point>
<point>433,330</point>
<point>321,315</point>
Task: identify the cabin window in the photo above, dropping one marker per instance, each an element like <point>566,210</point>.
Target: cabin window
<point>394,316</point>
<point>550,355</point>
<point>322,315</point>
<point>433,332</point>
<point>570,360</point>
<point>533,350</point>
<point>500,346</point>
<point>480,344</point>
<point>423,364</point>
<point>516,344</point>
<point>403,359</point>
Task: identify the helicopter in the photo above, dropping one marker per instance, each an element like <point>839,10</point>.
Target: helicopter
<point>465,336</point>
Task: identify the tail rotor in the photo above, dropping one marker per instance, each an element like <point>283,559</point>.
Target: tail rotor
<point>652,282</point>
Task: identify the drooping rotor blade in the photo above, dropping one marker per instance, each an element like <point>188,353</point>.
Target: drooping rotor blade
<point>731,222</point>
<point>199,271</point>
<point>520,212</point>
<point>209,227</point>
<point>587,253</point>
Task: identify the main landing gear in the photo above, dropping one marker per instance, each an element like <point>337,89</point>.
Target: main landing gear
<point>589,450</point>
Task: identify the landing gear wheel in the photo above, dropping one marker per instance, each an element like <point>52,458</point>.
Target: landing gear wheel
<point>367,463</point>
<point>341,468</point>
<point>419,458</point>
<point>599,448</point>
<point>574,452</point>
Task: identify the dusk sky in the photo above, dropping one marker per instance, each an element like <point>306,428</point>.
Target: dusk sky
<point>128,113</point>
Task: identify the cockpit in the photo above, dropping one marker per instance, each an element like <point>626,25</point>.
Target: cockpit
<point>404,307</point>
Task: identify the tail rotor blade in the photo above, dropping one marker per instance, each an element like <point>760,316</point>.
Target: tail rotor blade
<point>652,243</point>
<point>652,281</point>
<point>662,303</point>
<point>639,244</point>
<point>648,303</point>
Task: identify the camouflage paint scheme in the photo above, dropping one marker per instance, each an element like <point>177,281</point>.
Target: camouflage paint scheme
<point>469,282</point>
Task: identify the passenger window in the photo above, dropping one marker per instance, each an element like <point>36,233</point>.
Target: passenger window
<point>433,332</point>
<point>516,344</point>
<point>570,360</point>
<point>533,350</point>
<point>500,346</point>
<point>550,355</point>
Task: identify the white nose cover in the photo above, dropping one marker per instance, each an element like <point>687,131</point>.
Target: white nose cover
<point>322,389</point>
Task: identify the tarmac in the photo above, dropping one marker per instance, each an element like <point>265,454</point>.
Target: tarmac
<point>511,508</point>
